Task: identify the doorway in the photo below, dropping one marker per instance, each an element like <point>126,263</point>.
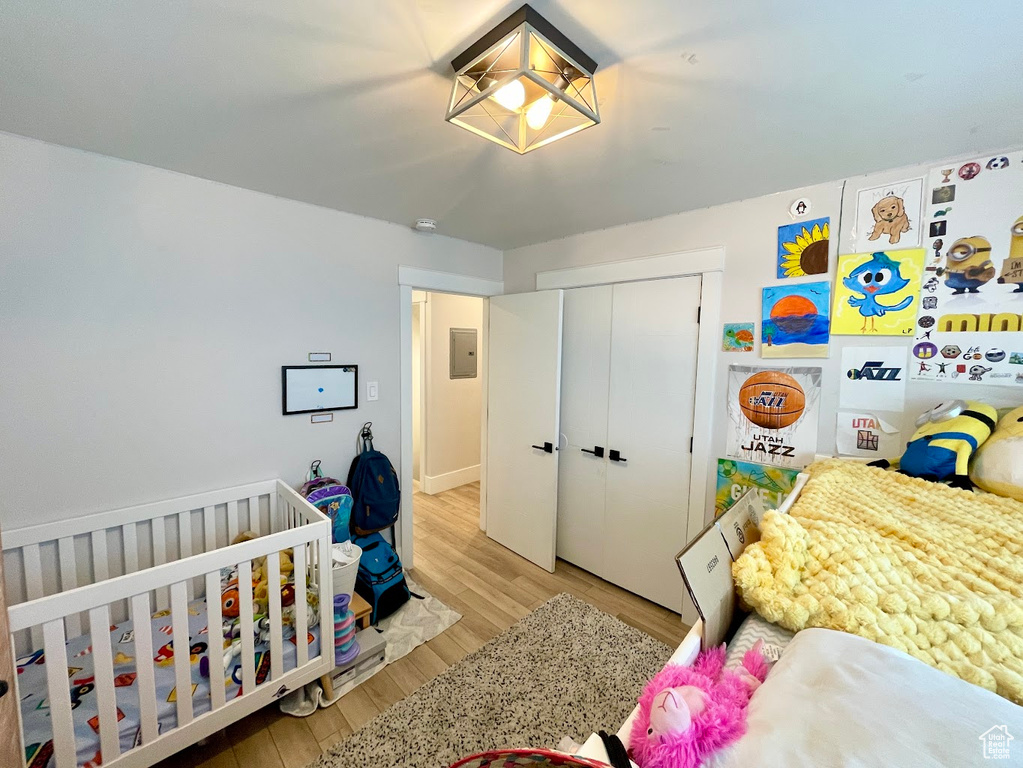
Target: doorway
<point>411,280</point>
<point>447,406</point>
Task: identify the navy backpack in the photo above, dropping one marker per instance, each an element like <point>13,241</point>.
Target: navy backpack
<point>374,485</point>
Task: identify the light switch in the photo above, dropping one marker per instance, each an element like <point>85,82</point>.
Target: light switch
<point>372,391</point>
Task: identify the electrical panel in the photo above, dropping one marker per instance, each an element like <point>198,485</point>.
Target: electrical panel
<point>463,356</point>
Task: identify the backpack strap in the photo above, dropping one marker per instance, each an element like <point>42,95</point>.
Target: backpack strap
<point>314,471</point>
<point>615,750</point>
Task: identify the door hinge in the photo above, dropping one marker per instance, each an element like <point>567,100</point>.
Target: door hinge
<point>699,310</point>
<point>690,445</point>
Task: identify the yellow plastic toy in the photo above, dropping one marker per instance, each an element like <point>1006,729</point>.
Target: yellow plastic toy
<point>998,466</point>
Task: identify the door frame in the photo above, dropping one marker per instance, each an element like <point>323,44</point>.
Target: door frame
<point>709,264</point>
<point>415,278</point>
<point>423,361</point>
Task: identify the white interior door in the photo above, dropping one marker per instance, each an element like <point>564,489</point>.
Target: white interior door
<point>585,372</point>
<point>524,382</point>
<point>654,343</point>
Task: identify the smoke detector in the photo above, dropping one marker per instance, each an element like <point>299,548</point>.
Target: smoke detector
<point>425,225</point>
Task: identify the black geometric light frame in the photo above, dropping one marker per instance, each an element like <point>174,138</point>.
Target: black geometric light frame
<point>523,85</point>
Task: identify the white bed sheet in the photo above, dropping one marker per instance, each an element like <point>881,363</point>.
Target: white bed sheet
<point>840,700</point>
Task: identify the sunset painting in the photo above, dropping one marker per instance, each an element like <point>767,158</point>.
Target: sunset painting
<point>796,320</point>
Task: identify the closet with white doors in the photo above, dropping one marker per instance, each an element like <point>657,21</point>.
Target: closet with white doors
<point>628,382</point>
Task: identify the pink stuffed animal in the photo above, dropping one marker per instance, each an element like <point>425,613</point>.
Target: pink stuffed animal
<point>688,713</point>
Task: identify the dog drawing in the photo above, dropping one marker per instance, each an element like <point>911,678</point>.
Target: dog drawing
<point>889,219</point>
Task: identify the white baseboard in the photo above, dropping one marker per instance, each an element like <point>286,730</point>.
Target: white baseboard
<point>440,483</point>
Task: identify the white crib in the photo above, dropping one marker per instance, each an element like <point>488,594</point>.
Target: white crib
<point>66,577</point>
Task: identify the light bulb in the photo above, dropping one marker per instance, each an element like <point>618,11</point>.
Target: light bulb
<point>511,96</point>
<point>538,112</point>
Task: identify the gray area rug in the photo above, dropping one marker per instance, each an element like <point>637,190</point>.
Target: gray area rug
<point>565,669</point>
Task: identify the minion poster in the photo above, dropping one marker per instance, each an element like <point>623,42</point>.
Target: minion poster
<point>876,294</point>
<point>970,313</point>
<point>772,414</point>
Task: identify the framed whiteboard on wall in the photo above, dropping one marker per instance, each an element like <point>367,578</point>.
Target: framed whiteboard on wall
<point>314,388</point>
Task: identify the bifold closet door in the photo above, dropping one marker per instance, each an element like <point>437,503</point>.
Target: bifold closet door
<point>524,400</point>
<point>654,338</point>
<point>585,375</point>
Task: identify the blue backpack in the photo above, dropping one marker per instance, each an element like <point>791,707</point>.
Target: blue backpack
<point>380,581</point>
<point>374,484</point>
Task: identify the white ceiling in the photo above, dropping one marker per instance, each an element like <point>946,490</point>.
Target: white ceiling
<point>341,103</point>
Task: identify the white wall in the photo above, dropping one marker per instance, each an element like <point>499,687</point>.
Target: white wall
<point>453,406</point>
<point>748,231</point>
<point>144,317</point>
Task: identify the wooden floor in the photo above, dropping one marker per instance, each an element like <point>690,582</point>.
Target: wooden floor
<point>489,585</point>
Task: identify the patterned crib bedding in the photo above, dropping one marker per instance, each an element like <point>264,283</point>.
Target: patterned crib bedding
<point>33,687</point>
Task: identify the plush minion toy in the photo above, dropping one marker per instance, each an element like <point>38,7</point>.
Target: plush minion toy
<point>945,439</point>
<point>1012,267</point>
<point>968,264</point>
<point>998,467</point>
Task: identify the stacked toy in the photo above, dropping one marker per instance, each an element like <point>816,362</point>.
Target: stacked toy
<point>345,646</point>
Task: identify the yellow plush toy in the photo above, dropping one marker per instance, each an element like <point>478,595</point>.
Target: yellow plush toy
<point>998,465</point>
<point>947,436</point>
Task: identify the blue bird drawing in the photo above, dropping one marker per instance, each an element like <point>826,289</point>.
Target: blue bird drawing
<point>877,277</point>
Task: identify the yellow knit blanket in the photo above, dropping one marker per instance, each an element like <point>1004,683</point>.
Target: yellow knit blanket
<point>933,571</point>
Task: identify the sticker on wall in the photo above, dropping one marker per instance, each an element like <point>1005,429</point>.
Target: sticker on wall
<point>803,248</point>
<point>876,293</point>
<point>735,478</point>
<point>889,216</point>
<point>867,435</point>
<point>971,308</point>
<point>800,207</point>
<point>874,378</point>
<point>737,337</point>
<point>795,320</point>
<point>772,414</point>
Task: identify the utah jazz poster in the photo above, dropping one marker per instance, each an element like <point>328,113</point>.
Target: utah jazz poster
<point>772,414</point>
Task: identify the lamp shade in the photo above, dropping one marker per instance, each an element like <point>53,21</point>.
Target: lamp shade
<point>523,85</point>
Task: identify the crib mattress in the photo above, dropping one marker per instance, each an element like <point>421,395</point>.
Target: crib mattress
<point>32,685</point>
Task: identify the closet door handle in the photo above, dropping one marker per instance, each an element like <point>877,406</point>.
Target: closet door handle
<point>598,451</point>
<point>614,455</point>
<point>546,447</point>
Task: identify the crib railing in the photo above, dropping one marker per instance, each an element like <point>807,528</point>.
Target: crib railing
<point>186,563</point>
<point>56,557</point>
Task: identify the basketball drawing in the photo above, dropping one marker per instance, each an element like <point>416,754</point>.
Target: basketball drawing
<point>772,399</point>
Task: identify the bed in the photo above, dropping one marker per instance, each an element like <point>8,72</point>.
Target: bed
<point>837,698</point>
<point>79,590</point>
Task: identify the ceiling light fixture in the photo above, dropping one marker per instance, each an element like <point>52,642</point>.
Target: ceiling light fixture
<point>523,84</point>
